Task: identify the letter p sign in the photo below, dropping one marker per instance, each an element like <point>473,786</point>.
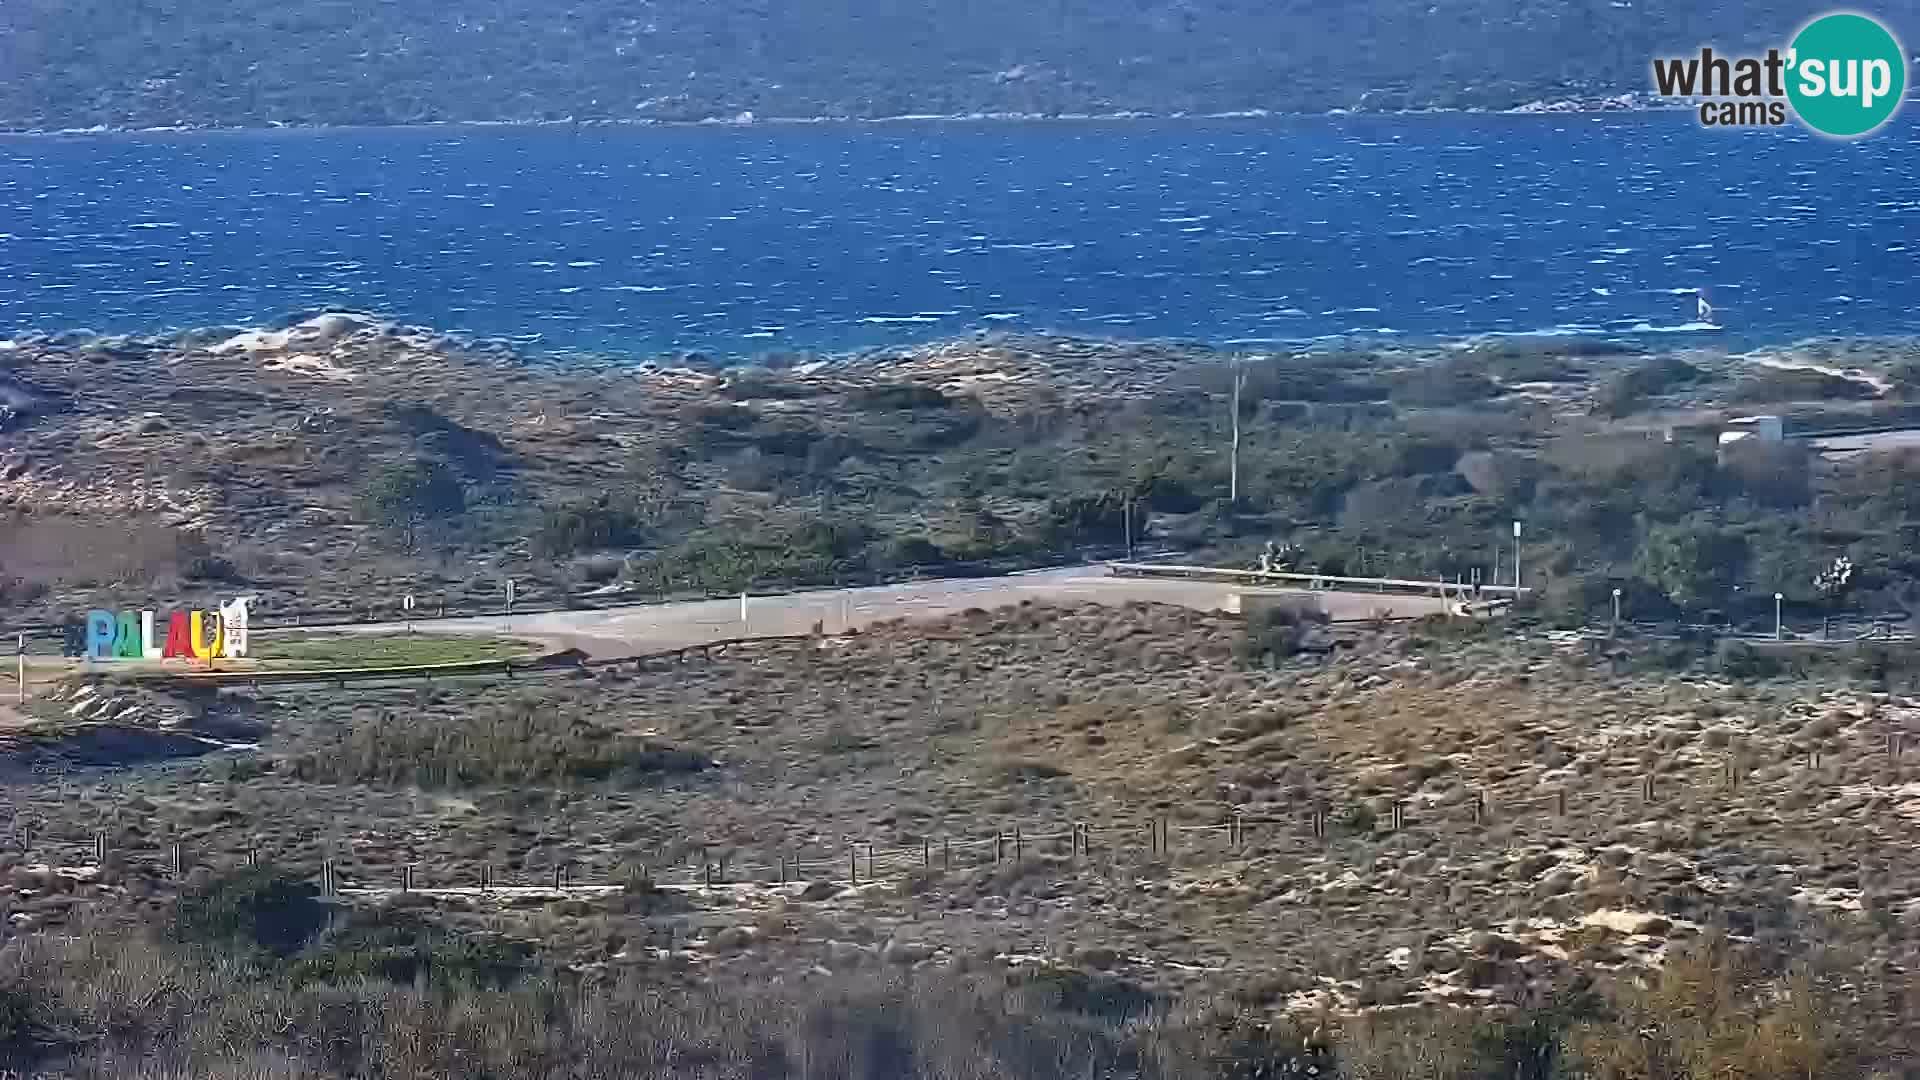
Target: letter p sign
<point>101,628</point>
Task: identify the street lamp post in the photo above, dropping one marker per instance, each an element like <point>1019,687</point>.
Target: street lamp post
<point>1616,614</point>
<point>1779,627</point>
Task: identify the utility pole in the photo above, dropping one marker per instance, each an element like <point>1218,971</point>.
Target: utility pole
<point>1127,512</point>
<point>1615,631</point>
<point>1779,627</point>
<point>1233,481</point>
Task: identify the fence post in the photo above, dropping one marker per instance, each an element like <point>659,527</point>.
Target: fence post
<point>559,876</point>
<point>178,862</point>
<point>783,869</point>
<point>1646,788</point>
<point>26,836</point>
<point>1016,844</point>
<point>926,851</point>
<point>1479,808</point>
<point>853,864</point>
<point>486,876</point>
<point>946,853</point>
<point>100,849</point>
<point>706,875</point>
<point>406,878</point>
<point>870,874</point>
<point>1560,801</point>
<point>326,879</point>
<point>999,838</point>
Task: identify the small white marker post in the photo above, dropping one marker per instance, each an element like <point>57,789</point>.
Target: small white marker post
<point>1616,611</point>
<point>406,604</point>
<point>509,603</point>
<point>745,626</point>
<point>20,655</point>
<point>1779,627</point>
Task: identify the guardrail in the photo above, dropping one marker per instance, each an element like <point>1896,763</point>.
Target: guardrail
<point>1315,581</point>
<point>570,661</point>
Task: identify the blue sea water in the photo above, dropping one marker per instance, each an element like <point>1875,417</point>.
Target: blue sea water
<point>736,240</point>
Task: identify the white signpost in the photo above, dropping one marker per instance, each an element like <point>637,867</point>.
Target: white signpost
<point>406,604</point>
<point>509,603</point>
<point>1516,561</point>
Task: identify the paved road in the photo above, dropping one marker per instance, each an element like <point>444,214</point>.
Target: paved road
<point>624,631</point>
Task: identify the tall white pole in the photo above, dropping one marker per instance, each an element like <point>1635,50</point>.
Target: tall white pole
<point>20,651</point>
<point>1516,561</point>
<point>1233,481</point>
<point>1779,627</point>
<point>743,611</point>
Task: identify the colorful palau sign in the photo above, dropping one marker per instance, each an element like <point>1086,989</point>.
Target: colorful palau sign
<point>190,635</point>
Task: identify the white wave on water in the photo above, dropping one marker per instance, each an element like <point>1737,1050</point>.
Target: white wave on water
<point>1561,330</point>
<point>1001,316</point>
<point>1679,328</point>
<point>886,320</point>
<point>636,288</point>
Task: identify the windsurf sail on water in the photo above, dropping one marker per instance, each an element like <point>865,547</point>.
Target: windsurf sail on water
<point>1704,309</point>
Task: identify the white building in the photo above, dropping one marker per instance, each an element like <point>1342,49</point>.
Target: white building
<point>1769,429</point>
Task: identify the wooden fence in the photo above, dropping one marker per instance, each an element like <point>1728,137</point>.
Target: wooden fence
<point>715,864</point>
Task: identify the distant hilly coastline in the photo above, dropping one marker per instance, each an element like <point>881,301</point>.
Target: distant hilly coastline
<point>95,64</point>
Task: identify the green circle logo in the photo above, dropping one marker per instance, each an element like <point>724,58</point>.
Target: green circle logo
<point>1846,75</point>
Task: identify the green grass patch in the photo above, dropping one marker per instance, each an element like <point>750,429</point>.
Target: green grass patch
<point>382,650</point>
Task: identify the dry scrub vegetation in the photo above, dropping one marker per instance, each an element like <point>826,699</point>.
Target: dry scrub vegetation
<point>1754,918</point>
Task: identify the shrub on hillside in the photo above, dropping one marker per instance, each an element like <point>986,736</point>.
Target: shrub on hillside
<point>256,907</point>
<point>509,746</point>
<point>1277,632</point>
